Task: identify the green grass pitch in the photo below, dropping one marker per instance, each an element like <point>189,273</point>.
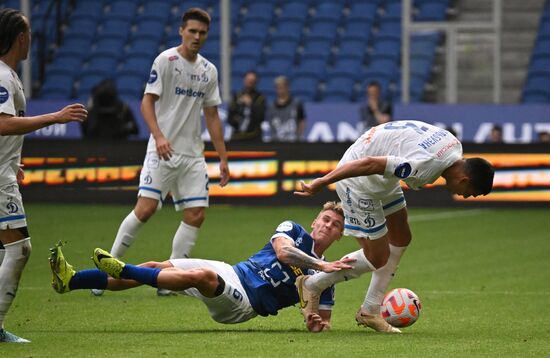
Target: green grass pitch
<point>483,277</point>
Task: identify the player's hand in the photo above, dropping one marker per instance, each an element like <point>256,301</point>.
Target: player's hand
<point>20,174</point>
<point>342,264</point>
<point>164,148</point>
<point>309,189</point>
<point>75,112</point>
<point>224,173</point>
<point>315,323</point>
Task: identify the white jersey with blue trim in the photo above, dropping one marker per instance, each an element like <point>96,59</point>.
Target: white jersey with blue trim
<point>416,153</point>
<point>13,103</point>
<point>269,283</point>
<point>184,88</point>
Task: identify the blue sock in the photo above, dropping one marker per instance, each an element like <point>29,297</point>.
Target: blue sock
<point>92,278</point>
<point>144,275</point>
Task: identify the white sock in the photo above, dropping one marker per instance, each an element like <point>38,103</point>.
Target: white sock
<point>15,258</point>
<point>126,234</point>
<point>322,280</point>
<point>381,279</point>
<point>184,240</point>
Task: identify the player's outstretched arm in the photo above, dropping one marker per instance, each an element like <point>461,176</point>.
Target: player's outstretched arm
<point>356,168</point>
<point>10,125</point>
<point>289,254</point>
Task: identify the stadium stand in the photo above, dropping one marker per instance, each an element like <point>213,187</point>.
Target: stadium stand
<point>319,42</point>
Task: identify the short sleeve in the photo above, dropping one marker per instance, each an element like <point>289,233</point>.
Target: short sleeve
<point>213,92</point>
<point>7,92</point>
<point>154,83</point>
<point>287,229</point>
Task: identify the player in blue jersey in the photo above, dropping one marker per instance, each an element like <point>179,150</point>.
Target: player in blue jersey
<point>261,285</point>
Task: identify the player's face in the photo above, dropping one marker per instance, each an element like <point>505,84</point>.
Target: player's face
<point>328,225</point>
<point>462,188</point>
<point>193,35</point>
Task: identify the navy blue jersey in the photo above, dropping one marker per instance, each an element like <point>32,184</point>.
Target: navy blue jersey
<point>269,283</point>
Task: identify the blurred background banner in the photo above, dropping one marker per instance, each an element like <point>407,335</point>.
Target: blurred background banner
<point>266,174</point>
<point>340,122</point>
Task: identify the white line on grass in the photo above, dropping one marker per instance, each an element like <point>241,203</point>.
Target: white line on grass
<point>489,292</point>
<point>445,215</point>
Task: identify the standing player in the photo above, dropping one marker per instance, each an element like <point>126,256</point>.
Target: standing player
<point>367,179</point>
<point>181,83</point>
<point>15,246</point>
<point>261,285</point>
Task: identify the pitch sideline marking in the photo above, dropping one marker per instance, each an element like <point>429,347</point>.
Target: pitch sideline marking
<point>445,215</point>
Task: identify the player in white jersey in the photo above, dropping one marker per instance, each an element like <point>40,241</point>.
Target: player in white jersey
<point>368,183</point>
<point>181,83</point>
<point>15,246</point>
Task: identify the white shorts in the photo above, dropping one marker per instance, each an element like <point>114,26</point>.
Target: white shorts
<point>12,213</point>
<point>365,216</point>
<point>232,306</point>
<point>184,177</point>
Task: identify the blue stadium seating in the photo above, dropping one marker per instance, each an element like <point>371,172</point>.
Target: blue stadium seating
<point>297,10</point>
<point>86,82</point>
<point>317,48</point>
<point>57,86</point>
<point>131,86</point>
<point>329,11</point>
<point>313,67</point>
<point>122,10</point>
<point>311,41</point>
<point>339,89</point>
<point>157,10</point>
<point>364,11</point>
<point>352,48</point>
<point>304,87</point>
<point>260,10</point>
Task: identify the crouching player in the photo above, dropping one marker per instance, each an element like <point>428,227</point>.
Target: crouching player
<point>261,285</point>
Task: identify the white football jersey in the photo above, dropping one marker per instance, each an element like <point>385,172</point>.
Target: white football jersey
<point>184,88</point>
<point>416,153</point>
<point>12,102</point>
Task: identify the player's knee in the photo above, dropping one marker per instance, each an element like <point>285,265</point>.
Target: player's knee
<point>206,281</point>
<point>194,217</point>
<point>144,212</point>
<point>379,260</point>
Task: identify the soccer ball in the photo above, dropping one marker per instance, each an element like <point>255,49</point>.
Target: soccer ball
<point>401,307</point>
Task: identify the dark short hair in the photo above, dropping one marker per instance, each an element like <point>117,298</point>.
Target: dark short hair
<point>374,84</point>
<point>12,23</point>
<point>195,13</point>
<point>481,174</point>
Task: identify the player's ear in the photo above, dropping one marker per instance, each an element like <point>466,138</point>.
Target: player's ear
<point>313,223</point>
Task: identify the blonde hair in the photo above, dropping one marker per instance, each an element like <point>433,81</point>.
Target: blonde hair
<point>334,206</point>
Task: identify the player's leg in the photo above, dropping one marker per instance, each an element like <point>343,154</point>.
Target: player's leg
<point>151,192</point>
<point>219,288</point>
<point>15,239</point>
<point>190,194</point>
<point>364,218</point>
<point>399,236</point>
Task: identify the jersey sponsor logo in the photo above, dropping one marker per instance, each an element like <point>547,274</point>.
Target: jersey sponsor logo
<point>366,204</point>
<point>180,72</point>
<point>172,58</point>
<point>403,170</point>
<point>284,226</point>
<point>189,92</point>
<point>199,78</point>
<point>4,94</point>
<point>152,76</point>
